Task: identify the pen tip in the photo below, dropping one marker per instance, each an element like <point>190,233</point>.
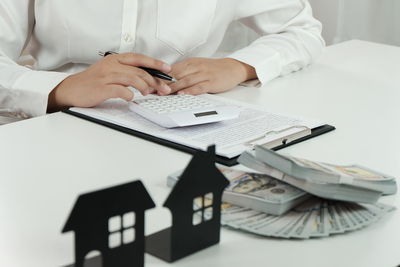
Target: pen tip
<point>174,80</point>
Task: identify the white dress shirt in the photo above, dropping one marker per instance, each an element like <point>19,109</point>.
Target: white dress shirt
<point>66,36</point>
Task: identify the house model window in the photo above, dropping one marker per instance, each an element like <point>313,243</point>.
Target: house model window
<point>121,230</point>
<point>202,209</point>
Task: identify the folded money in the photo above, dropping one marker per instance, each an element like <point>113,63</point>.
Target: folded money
<point>313,218</point>
<point>352,183</point>
<point>258,192</point>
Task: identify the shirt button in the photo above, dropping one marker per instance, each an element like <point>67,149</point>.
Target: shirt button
<point>128,38</point>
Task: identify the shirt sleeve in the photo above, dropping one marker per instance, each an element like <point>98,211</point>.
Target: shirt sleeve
<point>290,37</point>
<point>23,91</point>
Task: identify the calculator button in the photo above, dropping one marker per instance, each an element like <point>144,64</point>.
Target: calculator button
<point>173,103</point>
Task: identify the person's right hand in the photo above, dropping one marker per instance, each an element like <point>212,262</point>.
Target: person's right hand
<point>109,78</point>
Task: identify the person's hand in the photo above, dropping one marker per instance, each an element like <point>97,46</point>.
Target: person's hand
<point>109,78</point>
<point>201,75</point>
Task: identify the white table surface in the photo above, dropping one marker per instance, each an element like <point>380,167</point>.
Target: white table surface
<point>46,162</point>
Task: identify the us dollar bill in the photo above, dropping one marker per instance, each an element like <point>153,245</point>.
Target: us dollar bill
<point>314,218</point>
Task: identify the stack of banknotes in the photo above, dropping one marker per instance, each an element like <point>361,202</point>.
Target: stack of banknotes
<point>315,217</point>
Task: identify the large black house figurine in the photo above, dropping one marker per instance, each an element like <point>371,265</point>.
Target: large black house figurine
<point>195,204</point>
<point>111,222</point>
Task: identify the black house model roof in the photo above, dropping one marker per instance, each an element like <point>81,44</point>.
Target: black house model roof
<point>108,202</point>
<point>201,175</point>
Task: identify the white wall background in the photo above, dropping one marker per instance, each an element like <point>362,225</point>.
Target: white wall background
<point>327,12</point>
<point>371,20</point>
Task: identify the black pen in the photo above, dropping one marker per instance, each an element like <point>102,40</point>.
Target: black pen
<point>152,72</point>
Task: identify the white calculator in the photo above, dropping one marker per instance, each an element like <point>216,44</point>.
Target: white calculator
<point>182,110</point>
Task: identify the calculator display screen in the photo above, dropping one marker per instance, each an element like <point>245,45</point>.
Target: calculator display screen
<point>208,113</point>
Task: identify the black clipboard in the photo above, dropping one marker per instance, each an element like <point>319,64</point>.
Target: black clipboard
<point>219,159</point>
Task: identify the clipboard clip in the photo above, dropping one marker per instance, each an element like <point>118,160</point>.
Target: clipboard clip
<point>283,136</point>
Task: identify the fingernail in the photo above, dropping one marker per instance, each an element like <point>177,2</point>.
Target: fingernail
<point>166,67</point>
<point>181,93</point>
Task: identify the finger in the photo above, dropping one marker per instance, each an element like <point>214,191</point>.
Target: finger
<point>182,69</point>
<point>118,91</point>
<point>188,81</point>
<point>159,86</point>
<point>198,89</point>
<point>139,60</point>
<point>126,80</point>
<point>114,91</point>
<point>162,88</point>
<point>153,83</point>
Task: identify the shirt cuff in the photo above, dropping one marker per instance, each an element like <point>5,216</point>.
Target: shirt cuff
<point>265,60</point>
<point>34,88</point>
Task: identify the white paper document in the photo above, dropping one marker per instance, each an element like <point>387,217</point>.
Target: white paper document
<point>255,125</point>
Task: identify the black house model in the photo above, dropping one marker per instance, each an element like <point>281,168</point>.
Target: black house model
<point>111,222</point>
<point>195,204</point>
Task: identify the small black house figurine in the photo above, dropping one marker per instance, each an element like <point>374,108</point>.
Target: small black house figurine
<point>111,221</point>
<point>195,204</point>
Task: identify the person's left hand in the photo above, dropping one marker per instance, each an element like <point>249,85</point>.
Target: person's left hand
<point>202,75</point>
